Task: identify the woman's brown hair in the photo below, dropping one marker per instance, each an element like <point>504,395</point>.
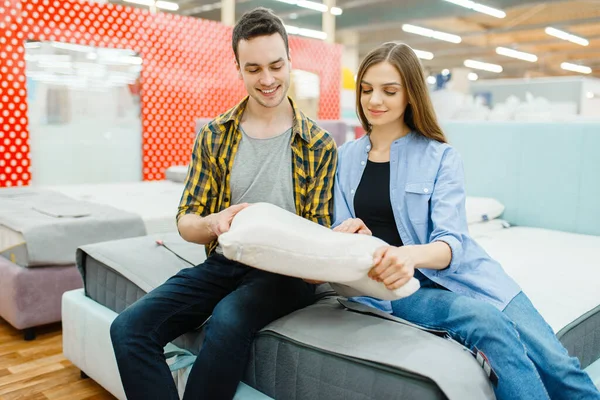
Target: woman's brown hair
<point>419,115</point>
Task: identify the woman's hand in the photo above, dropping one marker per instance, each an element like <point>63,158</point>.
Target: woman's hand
<point>353,225</point>
<point>394,266</point>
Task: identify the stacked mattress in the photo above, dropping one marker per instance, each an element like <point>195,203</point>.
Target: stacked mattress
<point>39,233</point>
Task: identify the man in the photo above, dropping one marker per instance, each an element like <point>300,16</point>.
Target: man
<point>264,149</point>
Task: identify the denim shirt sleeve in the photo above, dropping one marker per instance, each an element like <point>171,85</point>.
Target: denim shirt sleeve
<point>448,215</point>
<point>341,211</point>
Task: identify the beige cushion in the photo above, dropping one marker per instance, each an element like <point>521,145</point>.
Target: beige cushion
<point>267,237</point>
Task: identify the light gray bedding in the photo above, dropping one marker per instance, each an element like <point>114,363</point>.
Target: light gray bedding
<point>53,225</point>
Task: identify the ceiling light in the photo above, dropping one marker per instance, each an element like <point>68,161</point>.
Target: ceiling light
<point>479,8</point>
<point>589,95</point>
<point>311,5</point>
<point>165,5</point>
<point>448,37</point>
<point>431,80</point>
<point>582,69</point>
<point>483,66</point>
<point>425,55</point>
<point>472,76</point>
<point>566,36</point>
<point>294,30</point>
<point>141,2</point>
<point>503,51</point>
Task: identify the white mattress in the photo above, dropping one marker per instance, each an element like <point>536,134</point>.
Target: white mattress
<point>155,202</point>
<point>86,343</point>
<point>559,271</point>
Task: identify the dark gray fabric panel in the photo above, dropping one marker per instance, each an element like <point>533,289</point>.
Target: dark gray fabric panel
<point>108,287</point>
<point>300,373</point>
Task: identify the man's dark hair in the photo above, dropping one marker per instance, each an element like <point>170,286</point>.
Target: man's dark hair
<point>258,22</point>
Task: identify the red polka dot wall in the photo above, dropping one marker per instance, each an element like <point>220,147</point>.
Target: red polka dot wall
<point>188,73</point>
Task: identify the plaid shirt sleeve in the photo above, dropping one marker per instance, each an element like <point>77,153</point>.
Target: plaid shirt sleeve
<point>320,188</point>
<point>200,191</point>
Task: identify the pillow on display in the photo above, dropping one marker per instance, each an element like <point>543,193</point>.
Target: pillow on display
<point>270,238</point>
<point>481,209</point>
<point>176,173</point>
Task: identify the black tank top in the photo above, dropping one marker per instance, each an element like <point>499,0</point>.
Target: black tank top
<point>372,203</point>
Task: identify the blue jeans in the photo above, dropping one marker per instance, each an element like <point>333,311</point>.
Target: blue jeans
<point>529,360</point>
<point>241,300</point>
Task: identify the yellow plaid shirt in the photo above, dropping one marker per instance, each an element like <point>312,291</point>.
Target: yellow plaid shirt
<point>314,161</point>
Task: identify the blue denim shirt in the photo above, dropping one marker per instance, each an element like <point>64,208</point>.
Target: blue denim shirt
<point>428,200</point>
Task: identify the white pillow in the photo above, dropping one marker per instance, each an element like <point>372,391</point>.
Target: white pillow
<point>481,209</point>
<point>176,173</point>
<point>267,237</point>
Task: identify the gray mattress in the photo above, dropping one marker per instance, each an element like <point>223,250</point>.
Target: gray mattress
<point>582,337</point>
<point>301,371</point>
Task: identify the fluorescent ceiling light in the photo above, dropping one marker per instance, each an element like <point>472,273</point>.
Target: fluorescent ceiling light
<point>417,30</point>
<point>311,5</point>
<point>503,51</point>
<point>166,5</point>
<point>425,55</point>
<point>472,76</point>
<point>479,8</point>
<point>483,66</point>
<point>294,30</point>
<point>582,69</point>
<point>141,2</point>
<point>566,36</point>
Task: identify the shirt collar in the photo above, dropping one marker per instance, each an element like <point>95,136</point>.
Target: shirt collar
<point>300,126</point>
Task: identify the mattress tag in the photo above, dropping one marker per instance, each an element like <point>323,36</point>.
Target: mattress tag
<point>483,361</point>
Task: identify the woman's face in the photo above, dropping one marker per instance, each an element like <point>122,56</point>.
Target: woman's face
<point>383,97</point>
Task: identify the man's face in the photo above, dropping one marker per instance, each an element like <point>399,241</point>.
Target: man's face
<point>264,66</point>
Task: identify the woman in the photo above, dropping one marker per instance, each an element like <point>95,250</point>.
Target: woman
<point>402,183</point>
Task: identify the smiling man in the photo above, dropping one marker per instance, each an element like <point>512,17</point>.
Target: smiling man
<point>262,150</point>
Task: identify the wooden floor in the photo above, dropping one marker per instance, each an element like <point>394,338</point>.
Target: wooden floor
<point>37,370</point>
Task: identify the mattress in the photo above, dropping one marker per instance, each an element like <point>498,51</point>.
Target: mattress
<point>86,343</point>
<point>155,202</point>
<point>41,227</point>
<point>560,273</point>
<point>283,361</point>
<point>158,215</point>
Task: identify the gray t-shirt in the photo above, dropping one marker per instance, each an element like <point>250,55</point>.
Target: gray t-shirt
<point>262,172</point>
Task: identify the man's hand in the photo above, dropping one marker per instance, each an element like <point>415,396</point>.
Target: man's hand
<point>353,225</point>
<point>394,266</point>
<point>313,282</point>
<point>220,222</point>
